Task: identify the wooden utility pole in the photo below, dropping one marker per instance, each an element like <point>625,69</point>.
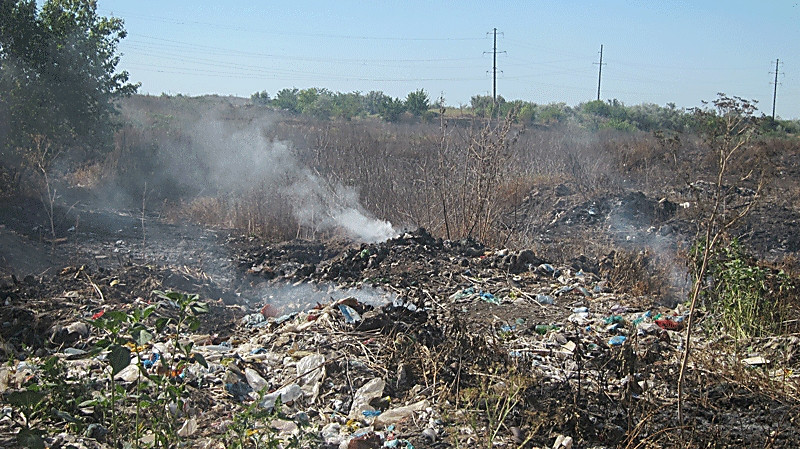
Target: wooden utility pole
<point>600,72</point>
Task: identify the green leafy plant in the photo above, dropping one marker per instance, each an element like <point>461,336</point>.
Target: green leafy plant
<point>48,396</point>
<point>749,300</point>
<point>253,427</point>
<point>496,404</point>
<point>28,404</point>
<point>159,393</point>
<point>118,357</point>
<point>728,128</point>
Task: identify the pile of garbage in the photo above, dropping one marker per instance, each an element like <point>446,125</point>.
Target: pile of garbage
<point>469,346</point>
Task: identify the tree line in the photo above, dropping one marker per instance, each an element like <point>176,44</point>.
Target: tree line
<point>323,104</point>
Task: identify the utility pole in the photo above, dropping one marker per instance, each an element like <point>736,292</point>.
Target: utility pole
<point>775,89</point>
<point>494,66</point>
<point>600,72</point>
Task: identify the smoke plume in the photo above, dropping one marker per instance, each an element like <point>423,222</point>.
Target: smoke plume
<point>226,153</point>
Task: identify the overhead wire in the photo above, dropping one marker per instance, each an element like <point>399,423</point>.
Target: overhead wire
<point>284,33</point>
<point>217,61</point>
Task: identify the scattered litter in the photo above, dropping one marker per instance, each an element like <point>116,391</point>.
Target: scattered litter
<point>342,367</point>
<point>364,395</point>
<point>563,442</point>
<point>542,329</point>
<point>350,314</point>
<point>488,297</point>
<point>286,394</point>
<point>188,428</point>
<point>755,361</point>
<point>669,324</point>
<point>396,415</point>
<point>617,340</point>
<point>256,382</point>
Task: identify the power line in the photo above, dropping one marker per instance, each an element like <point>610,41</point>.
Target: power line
<point>263,31</point>
<point>152,52</point>
<point>227,51</point>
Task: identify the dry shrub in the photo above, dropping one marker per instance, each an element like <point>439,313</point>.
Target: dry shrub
<point>465,177</point>
<point>88,176</point>
<point>205,209</point>
<point>641,273</point>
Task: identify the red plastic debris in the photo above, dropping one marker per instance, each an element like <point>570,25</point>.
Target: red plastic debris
<point>269,311</point>
<point>669,325</point>
<point>98,314</point>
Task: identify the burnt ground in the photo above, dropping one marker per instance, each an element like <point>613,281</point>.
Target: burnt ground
<point>462,329</point>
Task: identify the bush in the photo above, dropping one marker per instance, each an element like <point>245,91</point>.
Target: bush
<point>747,298</point>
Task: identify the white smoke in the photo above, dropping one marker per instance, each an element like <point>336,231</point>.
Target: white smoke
<point>237,159</point>
<point>322,206</point>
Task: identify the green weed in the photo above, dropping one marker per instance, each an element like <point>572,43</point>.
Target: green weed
<point>747,299</point>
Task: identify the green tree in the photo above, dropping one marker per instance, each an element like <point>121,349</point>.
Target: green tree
<point>321,107</point>
<point>260,98</point>
<point>348,105</point>
<point>391,109</point>
<point>306,98</point>
<point>286,99</point>
<point>417,102</point>
<point>596,107</point>
<point>58,77</point>
<point>373,101</point>
<point>554,113</point>
<point>484,105</point>
<point>527,113</point>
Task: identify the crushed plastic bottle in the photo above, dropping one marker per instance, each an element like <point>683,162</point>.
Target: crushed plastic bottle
<point>488,297</point>
<point>546,268</point>
<point>254,320</point>
<point>564,289</point>
<point>507,328</point>
<point>396,415</point>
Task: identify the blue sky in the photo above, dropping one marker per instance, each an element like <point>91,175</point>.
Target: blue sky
<point>653,51</point>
